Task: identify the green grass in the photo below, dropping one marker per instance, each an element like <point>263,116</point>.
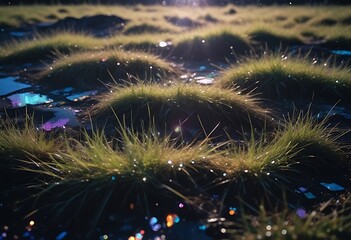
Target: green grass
<point>292,78</point>
<point>329,220</point>
<point>211,45</point>
<point>45,47</point>
<point>267,167</point>
<point>273,39</point>
<point>136,168</point>
<point>90,68</point>
<point>22,141</point>
<point>179,106</point>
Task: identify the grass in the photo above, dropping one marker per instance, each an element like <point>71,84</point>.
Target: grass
<point>292,78</point>
<point>90,68</point>
<point>137,168</point>
<point>44,47</point>
<point>267,37</point>
<point>85,177</point>
<point>183,108</point>
<point>211,45</point>
<point>21,141</point>
<point>330,220</point>
<point>271,165</point>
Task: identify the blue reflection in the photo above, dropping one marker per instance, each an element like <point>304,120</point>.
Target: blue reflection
<point>332,186</point>
<point>202,227</point>
<point>9,85</point>
<point>61,236</point>
<point>23,99</point>
<point>342,52</point>
<point>80,96</point>
<point>310,195</point>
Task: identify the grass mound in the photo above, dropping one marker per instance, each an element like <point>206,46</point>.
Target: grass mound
<point>211,46</point>
<point>97,173</point>
<point>181,107</point>
<point>266,37</point>
<point>89,69</point>
<point>45,47</point>
<point>264,169</point>
<point>284,77</point>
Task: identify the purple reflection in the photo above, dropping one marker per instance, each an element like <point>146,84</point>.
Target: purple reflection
<point>301,213</point>
<point>48,126</point>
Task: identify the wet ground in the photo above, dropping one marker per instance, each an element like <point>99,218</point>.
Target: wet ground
<point>174,219</point>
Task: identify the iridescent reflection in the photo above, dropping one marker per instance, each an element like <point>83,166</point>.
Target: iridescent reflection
<point>23,99</point>
<point>62,117</point>
<point>48,126</point>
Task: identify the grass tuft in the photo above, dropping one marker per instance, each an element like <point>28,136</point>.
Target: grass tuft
<point>24,140</point>
<point>285,77</point>
<point>179,107</point>
<point>44,47</point>
<point>266,168</point>
<point>213,45</point>
<point>330,220</point>
<point>89,69</point>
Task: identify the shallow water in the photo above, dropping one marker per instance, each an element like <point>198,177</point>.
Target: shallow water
<point>10,84</point>
<point>28,98</point>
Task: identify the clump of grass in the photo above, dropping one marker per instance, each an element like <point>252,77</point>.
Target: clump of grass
<point>267,37</point>
<point>180,106</point>
<point>213,45</point>
<point>137,167</point>
<point>22,141</point>
<point>285,77</point>
<point>47,46</point>
<point>264,168</point>
<point>329,221</point>
<point>89,69</point>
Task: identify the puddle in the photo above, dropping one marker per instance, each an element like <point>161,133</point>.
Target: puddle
<point>327,111</point>
<point>332,186</point>
<point>204,80</point>
<point>19,34</point>
<point>80,96</point>
<point>9,85</point>
<point>305,192</point>
<point>71,95</point>
<point>23,99</point>
<point>202,73</point>
<point>342,52</point>
<point>63,117</point>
